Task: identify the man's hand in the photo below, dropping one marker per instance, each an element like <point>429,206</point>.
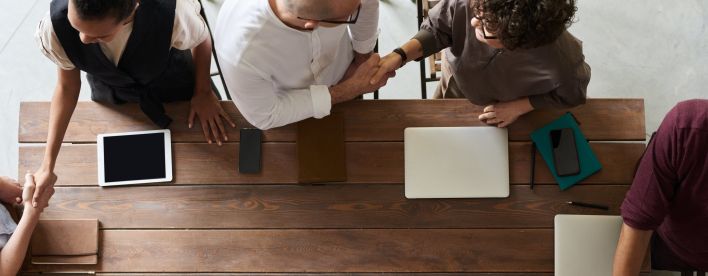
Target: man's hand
<point>359,59</point>
<point>10,190</point>
<point>387,67</point>
<point>505,113</point>
<point>206,106</point>
<point>359,82</point>
<point>44,180</point>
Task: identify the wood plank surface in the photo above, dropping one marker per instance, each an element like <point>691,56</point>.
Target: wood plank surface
<point>365,250</point>
<point>326,206</point>
<point>371,162</point>
<point>300,274</point>
<point>367,120</point>
<point>293,273</point>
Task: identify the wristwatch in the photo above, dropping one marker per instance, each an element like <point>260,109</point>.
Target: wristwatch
<point>404,57</point>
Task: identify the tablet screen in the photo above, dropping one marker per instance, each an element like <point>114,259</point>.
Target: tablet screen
<point>134,157</point>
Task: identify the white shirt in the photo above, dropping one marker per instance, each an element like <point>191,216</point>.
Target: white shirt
<point>278,75</point>
<point>188,32</point>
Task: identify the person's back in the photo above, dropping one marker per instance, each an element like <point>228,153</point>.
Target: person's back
<point>669,194</point>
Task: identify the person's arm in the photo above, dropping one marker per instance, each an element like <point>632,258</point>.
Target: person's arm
<point>435,35</point>
<point>190,32</point>
<point>391,62</point>
<point>649,199</point>
<point>568,95</point>
<point>365,32</point>
<point>632,246</point>
<point>66,95</point>
<point>266,106</point>
<point>14,252</point>
<point>204,103</point>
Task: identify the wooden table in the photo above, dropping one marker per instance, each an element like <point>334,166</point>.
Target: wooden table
<point>213,220</point>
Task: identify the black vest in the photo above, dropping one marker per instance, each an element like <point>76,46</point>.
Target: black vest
<point>149,71</point>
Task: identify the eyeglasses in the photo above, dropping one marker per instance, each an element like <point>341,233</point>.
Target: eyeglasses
<point>484,29</point>
<point>352,18</point>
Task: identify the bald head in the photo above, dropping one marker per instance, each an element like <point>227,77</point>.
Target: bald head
<point>322,9</point>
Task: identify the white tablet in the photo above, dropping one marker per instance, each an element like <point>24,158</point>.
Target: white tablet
<point>134,158</point>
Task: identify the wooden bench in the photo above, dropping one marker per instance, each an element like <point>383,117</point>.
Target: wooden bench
<point>213,220</point>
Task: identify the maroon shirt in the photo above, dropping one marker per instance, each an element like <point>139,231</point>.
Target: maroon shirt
<point>670,190</point>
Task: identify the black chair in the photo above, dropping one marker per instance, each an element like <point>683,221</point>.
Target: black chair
<point>434,60</point>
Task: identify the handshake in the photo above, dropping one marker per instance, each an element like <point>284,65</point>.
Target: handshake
<point>12,193</point>
<point>367,73</point>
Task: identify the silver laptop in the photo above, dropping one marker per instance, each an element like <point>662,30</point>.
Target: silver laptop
<point>456,162</point>
<point>585,245</point>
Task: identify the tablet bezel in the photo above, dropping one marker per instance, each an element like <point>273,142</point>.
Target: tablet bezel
<point>168,159</point>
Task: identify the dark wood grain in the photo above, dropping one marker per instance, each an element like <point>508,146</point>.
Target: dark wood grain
<point>333,274</point>
<point>371,162</point>
<point>365,250</point>
<point>328,206</point>
<point>380,120</point>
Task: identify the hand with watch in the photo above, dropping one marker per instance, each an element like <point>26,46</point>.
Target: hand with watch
<point>390,63</point>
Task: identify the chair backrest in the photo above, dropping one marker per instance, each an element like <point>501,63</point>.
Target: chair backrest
<point>434,61</point>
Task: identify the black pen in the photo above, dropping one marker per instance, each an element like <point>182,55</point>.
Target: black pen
<point>589,205</point>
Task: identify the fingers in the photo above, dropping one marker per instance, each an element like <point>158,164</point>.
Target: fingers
<point>205,130</point>
<point>487,116</point>
<point>493,121</point>
<point>220,124</point>
<point>227,118</point>
<point>504,124</point>
<point>45,196</point>
<point>190,121</point>
<point>214,131</point>
<point>386,66</point>
<point>31,190</point>
<point>489,108</point>
<point>378,75</point>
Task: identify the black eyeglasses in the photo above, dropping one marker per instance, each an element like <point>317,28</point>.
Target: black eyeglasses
<point>352,18</point>
<point>484,29</point>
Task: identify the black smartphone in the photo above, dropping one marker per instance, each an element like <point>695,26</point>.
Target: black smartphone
<point>249,153</point>
<point>565,152</point>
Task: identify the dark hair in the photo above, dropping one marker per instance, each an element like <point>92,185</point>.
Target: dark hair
<point>99,9</point>
<point>525,23</point>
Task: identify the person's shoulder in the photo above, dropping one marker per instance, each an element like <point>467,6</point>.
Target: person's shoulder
<point>44,33</point>
<point>187,6</point>
<point>690,114</point>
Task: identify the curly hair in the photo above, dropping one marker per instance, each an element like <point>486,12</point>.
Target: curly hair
<point>99,9</point>
<point>525,24</point>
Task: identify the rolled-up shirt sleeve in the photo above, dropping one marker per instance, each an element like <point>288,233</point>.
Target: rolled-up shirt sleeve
<point>264,106</point>
<point>649,198</point>
<point>436,31</point>
<point>49,44</point>
<point>365,32</point>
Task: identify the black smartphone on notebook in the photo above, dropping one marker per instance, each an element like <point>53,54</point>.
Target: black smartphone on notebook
<point>565,152</point>
<point>249,153</point>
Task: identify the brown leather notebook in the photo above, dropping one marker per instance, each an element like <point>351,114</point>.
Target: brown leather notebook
<point>321,150</point>
<point>65,242</point>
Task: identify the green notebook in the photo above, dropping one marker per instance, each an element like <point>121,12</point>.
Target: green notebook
<point>589,164</point>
